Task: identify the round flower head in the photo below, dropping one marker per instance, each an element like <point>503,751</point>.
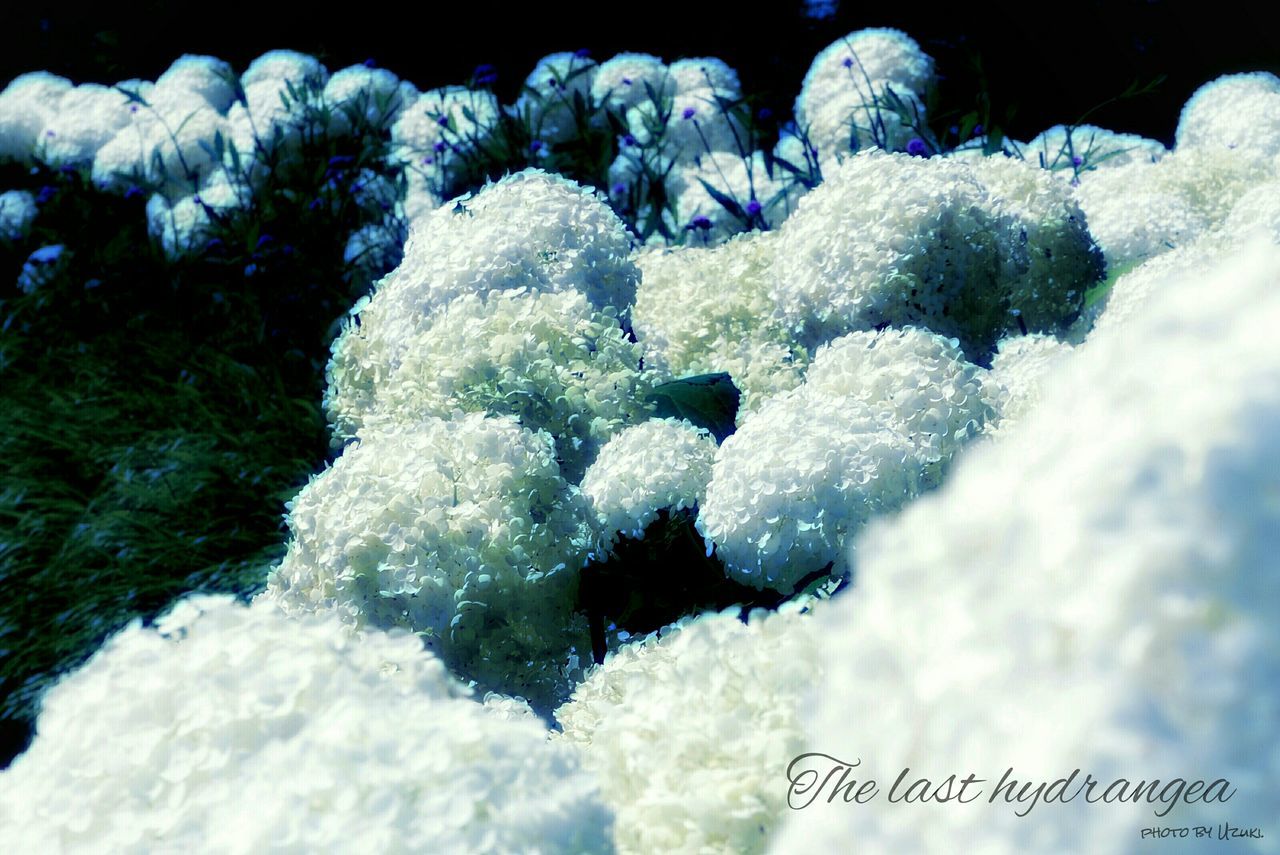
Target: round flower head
<point>312,737</point>
<point>1142,210</point>
<point>689,730</point>
<point>359,93</point>
<point>697,125</point>
<point>895,240</point>
<point>1104,575</point>
<point>17,211</point>
<point>185,225</point>
<point>279,66</point>
<point>661,464</point>
<point>460,118</point>
<point>42,266</point>
<point>87,117</point>
<point>462,531</point>
<point>205,77</point>
<point>1051,259</point>
<point>1021,373</point>
<point>876,54</point>
<point>703,311</point>
<point>848,122</point>
<point>549,359</point>
<point>27,105</point>
<point>705,75</point>
<point>1236,111</point>
<point>528,231</point>
<point>550,92</point>
<point>626,80</point>
<point>1095,148</point>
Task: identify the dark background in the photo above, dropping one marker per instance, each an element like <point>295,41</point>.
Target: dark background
<point>1050,59</point>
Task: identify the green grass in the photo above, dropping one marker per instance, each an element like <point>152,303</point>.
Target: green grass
<point>155,417</point>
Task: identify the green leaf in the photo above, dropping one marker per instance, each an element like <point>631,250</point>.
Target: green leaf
<point>726,202</point>
<point>708,400</point>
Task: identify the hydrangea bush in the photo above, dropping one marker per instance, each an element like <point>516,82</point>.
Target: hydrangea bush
<point>624,385</point>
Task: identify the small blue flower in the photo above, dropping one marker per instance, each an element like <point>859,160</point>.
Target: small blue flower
<point>626,81</point>
<point>250,269</point>
<point>1076,161</point>
<point>753,208</point>
<point>619,189</point>
<point>848,62</point>
<point>629,140</point>
<point>46,193</point>
<point>764,114</point>
<point>582,53</point>
<point>916,147</point>
<point>977,129</point>
<point>700,222</point>
<point>369,63</point>
<point>315,204</point>
<point>439,146</point>
<point>134,190</point>
<point>443,121</point>
<point>688,113</point>
<point>265,239</point>
<point>954,129</point>
<point>536,146</point>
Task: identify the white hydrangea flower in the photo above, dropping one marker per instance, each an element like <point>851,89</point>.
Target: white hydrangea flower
<point>1021,372</point>
<point>41,267</point>
<point>279,66</point>
<point>1141,210</point>
<point>705,75</point>
<point>185,224</point>
<point>845,89</point>
<point>529,231</point>
<point>893,239</point>
<point>696,125</point>
<point>1105,576</point>
<point>27,105</point>
<point>1097,148</point>
<point>17,211</point>
<point>876,422</point>
<point>310,737</point>
<point>624,81</point>
<point>463,531</point>
<point>690,731</point>
<point>550,91</point>
<point>168,143</point>
<point>373,93</point>
<point>703,311</point>
<point>205,77</point>
<point>509,708</point>
<point>744,180</point>
<point>660,464</point>
<point>1236,111</point>
<point>1054,259</point>
<point>550,359</point>
<point>1258,209</point>
<point>87,117</point>
<point>441,126</point>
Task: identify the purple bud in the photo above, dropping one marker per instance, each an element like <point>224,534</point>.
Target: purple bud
<point>134,190</point>
<point>582,53</point>
<point>848,62</point>
<point>954,129</point>
<point>764,114</point>
<point>443,121</point>
<point>250,269</point>
<point>977,129</point>
<point>439,146</point>
<point>46,193</point>
<point>1076,161</point>
<point>688,113</point>
<point>700,222</point>
<point>265,239</point>
<point>536,146</point>
<point>916,147</point>
<point>753,208</point>
<point>340,160</point>
<point>369,63</point>
<point>629,140</point>
<point>619,189</point>
<point>626,81</point>
<point>133,108</point>
<point>428,160</point>
<point>315,204</point>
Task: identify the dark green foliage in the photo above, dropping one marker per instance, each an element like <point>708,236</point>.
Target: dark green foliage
<point>708,400</point>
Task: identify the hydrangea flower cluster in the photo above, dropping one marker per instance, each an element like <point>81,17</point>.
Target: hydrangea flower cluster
<point>896,240</point>
<point>875,422</point>
<point>701,311</point>
<point>660,464</point>
<point>17,211</point>
<point>1143,637</point>
<point>688,730</point>
<point>845,102</point>
<point>303,732</point>
<point>567,240</point>
<point>463,531</point>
